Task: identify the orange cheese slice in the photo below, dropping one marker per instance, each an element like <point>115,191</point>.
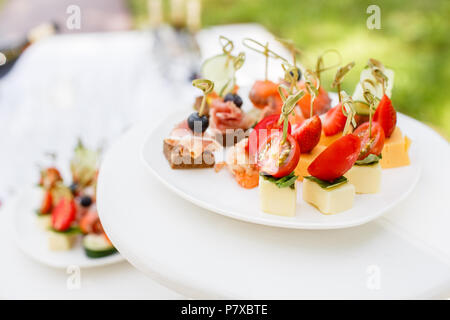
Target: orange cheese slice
<point>395,150</point>
<point>327,140</point>
<point>305,160</point>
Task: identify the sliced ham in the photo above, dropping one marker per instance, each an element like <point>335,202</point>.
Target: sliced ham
<point>225,115</point>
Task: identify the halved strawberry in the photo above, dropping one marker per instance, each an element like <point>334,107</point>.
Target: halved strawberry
<point>386,116</point>
<point>46,205</point>
<point>308,134</point>
<point>63,214</point>
<point>334,121</point>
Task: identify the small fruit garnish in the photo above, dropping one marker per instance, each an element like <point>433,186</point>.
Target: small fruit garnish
<point>63,214</point>
<point>370,144</point>
<point>279,154</point>
<point>262,130</point>
<point>198,121</point>
<point>85,201</point>
<point>46,205</point>
<point>308,134</point>
<point>261,92</point>
<point>299,74</point>
<point>277,158</point>
<point>334,121</point>
<point>236,99</point>
<point>386,116</point>
<point>337,159</point>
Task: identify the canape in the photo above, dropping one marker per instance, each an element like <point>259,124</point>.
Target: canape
<point>326,188</point>
<point>365,175</point>
<point>277,157</point>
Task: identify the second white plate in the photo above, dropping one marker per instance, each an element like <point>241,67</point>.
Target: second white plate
<point>220,193</point>
<point>33,241</point>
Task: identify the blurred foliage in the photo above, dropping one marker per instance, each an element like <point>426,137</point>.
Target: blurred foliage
<point>413,40</point>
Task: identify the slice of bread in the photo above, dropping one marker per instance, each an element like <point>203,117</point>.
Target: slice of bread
<point>180,158</point>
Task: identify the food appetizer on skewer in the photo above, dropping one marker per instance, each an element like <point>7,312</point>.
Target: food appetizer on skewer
<point>308,132</point>
<point>365,175</point>
<point>264,93</point>
<point>227,119</point>
<point>327,188</point>
<point>334,121</point>
<point>322,101</point>
<point>69,212</point>
<point>191,145</point>
<point>277,158</point>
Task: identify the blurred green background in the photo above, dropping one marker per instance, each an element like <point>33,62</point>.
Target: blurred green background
<point>414,40</point>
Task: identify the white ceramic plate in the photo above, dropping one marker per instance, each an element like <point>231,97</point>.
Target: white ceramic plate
<point>220,193</point>
<point>33,241</point>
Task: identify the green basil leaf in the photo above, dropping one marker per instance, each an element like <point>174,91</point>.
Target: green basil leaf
<point>283,182</point>
<point>328,184</point>
<point>70,231</point>
<point>370,159</point>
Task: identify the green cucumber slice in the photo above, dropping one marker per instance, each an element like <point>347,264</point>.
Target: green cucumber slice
<point>361,108</point>
<point>221,71</point>
<point>96,246</point>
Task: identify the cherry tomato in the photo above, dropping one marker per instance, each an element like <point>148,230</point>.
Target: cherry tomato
<point>337,159</point>
<point>276,158</point>
<point>63,214</point>
<point>257,135</point>
<point>372,145</point>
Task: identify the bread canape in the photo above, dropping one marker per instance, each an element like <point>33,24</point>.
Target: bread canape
<point>277,158</point>
<point>227,121</point>
<point>190,145</point>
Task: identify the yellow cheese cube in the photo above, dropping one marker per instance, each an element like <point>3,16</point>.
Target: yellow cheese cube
<point>327,140</point>
<point>59,241</point>
<point>44,221</point>
<point>366,178</point>
<point>305,160</point>
<point>395,150</point>
<point>275,200</point>
<point>329,201</point>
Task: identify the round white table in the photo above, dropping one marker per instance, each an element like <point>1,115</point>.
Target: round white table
<point>404,254</point>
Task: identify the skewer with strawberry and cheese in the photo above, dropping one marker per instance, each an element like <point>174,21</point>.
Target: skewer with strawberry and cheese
<point>334,120</point>
<point>308,133</point>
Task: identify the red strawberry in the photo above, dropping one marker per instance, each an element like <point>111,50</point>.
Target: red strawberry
<point>46,204</point>
<point>308,134</point>
<point>63,214</point>
<point>334,121</point>
<point>386,116</point>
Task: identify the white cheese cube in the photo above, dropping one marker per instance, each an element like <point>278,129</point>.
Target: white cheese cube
<point>329,201</point>
<point>44,221</point>
<point>366,179</point>
<point>275,200</point>
<point>59,241</point>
